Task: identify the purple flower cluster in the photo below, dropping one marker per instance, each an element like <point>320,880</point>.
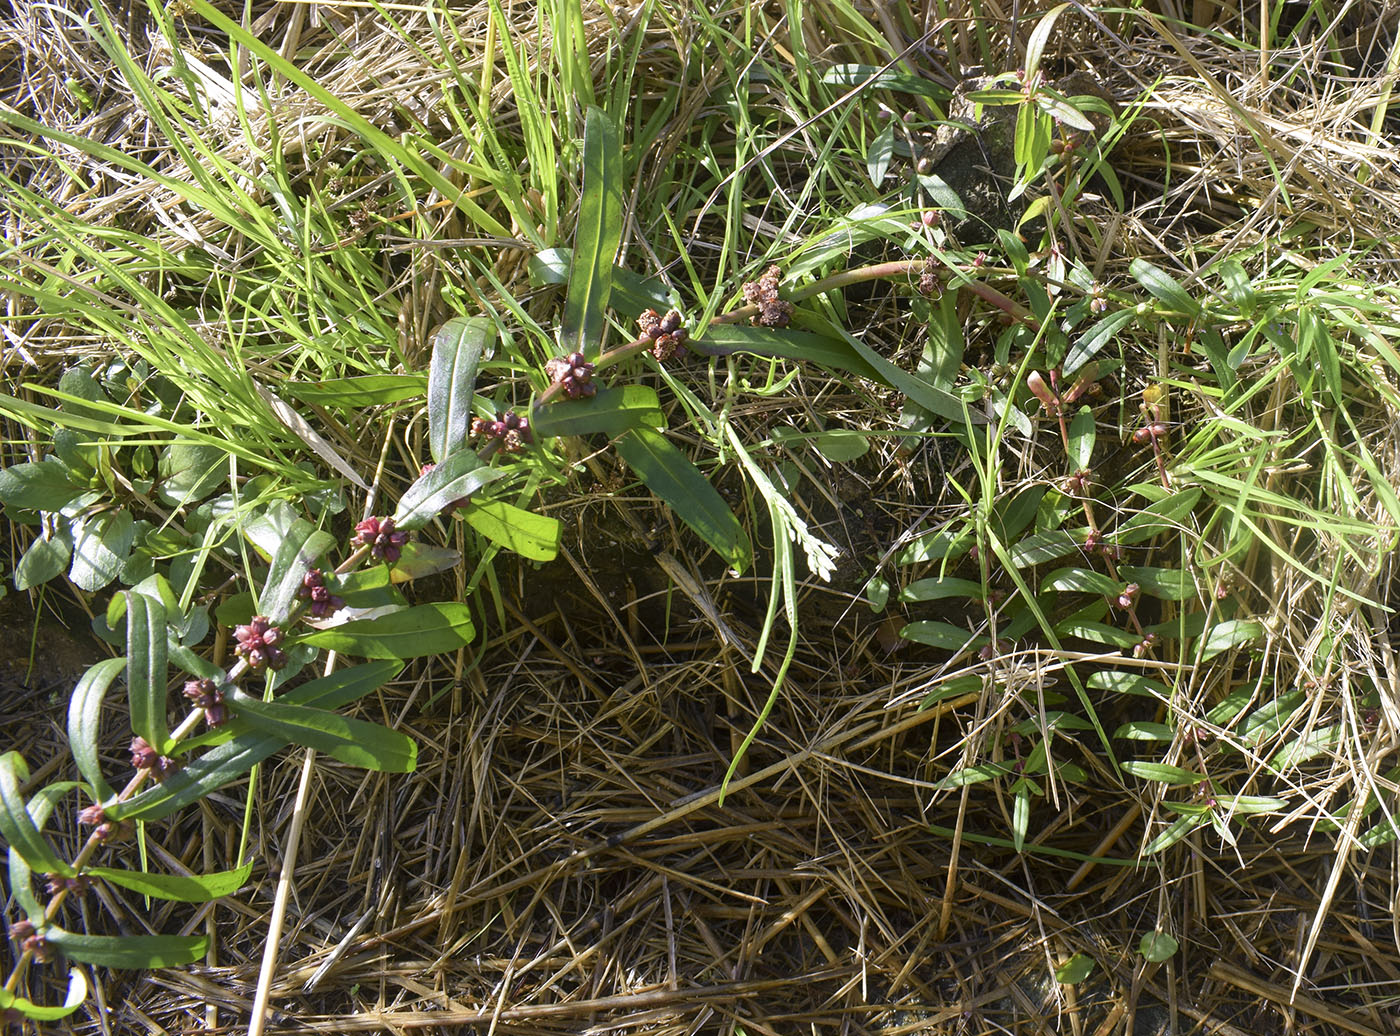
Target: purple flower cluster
<point>512,429</point>
<point>666,334</point>
<point>96,816</point>
<point>30,941</point>
<point>763,293</point>
<point>384,541</point>
<point>314,589</point>
<point>575,373</point>
<point>144,757</point>
<point>207,695</point>
<point>257,643</point>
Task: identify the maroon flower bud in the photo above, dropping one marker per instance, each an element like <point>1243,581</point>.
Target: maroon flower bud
<point>91,816</point>
<point>1149,432</point>
<point>21,929</point>
<point>649,324</point>
<point>383,540</point>
<point>143,756</point>
<point>1128,596</point>
<point>257,642</point>
<point>76,885</point>
<point>1048,398</point>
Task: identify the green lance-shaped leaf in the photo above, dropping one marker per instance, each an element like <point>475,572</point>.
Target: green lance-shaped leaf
<point>297,554</point>
<point>837,350</point>
<point>146,668</point>
<point>428,629</point>
<point>42,486</point>
<point>1229,634</point>
<point>941,588</point>
<point>532,536</point>
<point>1081,439</point>
<point>22,887</point>
<point>17,825</point>
<point>1092,341</point>
<point>877,159</point>
<point>943,635</point>
<point>1082,580</point>
<point>77,993</point>
<point>1162,516</point>
<point>611,411</point>
<point>1161,772</point>
<point>129,952</point>
<point>352,741</point>
<point>196,888</point>
<point>457,350</point>
<point>458,476</point>
<point>21,874</point>
<point>631,293</point>
<point>1171,584</point>
<point>1042,547</point>
<point>599,233</point>
<point>1165,287</point>
<point>672,477</point>
<point>85,723</point>
<point>1040,35</point>
<point>358,392</point>
<point>228,761</point>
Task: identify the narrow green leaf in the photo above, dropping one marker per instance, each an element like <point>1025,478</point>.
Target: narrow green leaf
<point>599,234</point>
<point>1161,772</point>
<point>1020,815</point>
<point>77,993</point>
<point>1083,580</point>
<point>879,77</point>
<point>1098,632</point>
<point>427,629</point>
<point>129,952</point>
<point>352,741</point>
<point>1081,440</point>
<point>1091,342</point>
<point>1163,516</point>
<point>101,545</point>
<point>1238,286</point>
<point>611,411</point>
<point>1165,287</point>
<point>296,556</point>
<point>1142,730</point>
<point>944,542</point>
<point>938,589</point>
<point>458,346</point>
<point>1251,804</point>
<point>1169,584</point>
<point>459,476</point>
<point>1229,634</point>
<point>630,294</point>
<point>1042,547</point>
<point>85,723</point>
<point>146,669</point>
<point>532,536</point>
<point>672,477</point>
<point>957,686</point>
<point>197,888</point>
<point>42,486</point>
<point>973,775</point>
<point>1059,107</point>
<point>877,159</point>
<point>45,559</point>
<point>1175,832</point>
<point>22,886</point>
<point>228,761</point>
<point>358,392</point>
<point>943,635</point>
<point>1040,35</point>
<point>17,826</point>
